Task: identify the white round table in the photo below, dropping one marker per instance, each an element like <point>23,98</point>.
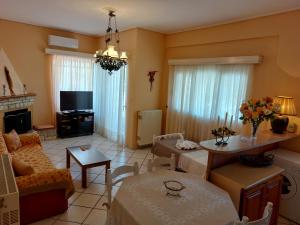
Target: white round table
<point>142,200</point>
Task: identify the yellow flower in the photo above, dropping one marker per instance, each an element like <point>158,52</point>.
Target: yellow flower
<point>255,115</point>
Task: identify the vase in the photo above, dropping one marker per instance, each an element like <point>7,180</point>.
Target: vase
<point>255,126</point>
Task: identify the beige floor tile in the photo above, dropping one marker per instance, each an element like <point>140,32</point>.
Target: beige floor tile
<point>98,189</point>
<point>132,160</point>
<point>48,221</point>
<point>75,214</point>
<point>58,222</point>
<point>100,202</point>
<point>100,179</point>
<point>96,170</point>
<point>140,155</point>
<point>96,217</point>
<point>73,197</point>
<point>86,200</point>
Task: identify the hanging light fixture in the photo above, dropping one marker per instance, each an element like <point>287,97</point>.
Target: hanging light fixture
<point>111,59</point>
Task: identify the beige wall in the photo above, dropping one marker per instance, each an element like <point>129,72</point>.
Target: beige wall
<point>146,53</point>
<point>25,46</point>
<point>276,38</point>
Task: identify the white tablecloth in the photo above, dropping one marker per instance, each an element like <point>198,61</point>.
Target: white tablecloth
<point>194,162</point>
<point>142,200</point>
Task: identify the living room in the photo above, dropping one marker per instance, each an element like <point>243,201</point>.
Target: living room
<point>242,51</point>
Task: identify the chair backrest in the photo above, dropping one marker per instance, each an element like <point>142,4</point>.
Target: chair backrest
<point>265,220</point>
<point>162,163</point>
<point>168,136</point>
<point>118,175</point>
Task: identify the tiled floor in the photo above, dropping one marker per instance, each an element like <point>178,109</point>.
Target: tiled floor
<point>85,206</point>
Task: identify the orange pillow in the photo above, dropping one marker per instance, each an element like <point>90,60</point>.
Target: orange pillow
<point>21,168</point>
<point>12,140</point>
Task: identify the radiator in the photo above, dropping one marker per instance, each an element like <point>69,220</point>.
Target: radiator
<point>149,124</point>
<point>9,195</point>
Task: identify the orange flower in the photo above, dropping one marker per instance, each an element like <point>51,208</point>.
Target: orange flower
<point>248,114</point>
<point>244,107</point>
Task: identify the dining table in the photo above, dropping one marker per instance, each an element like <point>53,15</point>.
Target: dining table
<point>142,200</point>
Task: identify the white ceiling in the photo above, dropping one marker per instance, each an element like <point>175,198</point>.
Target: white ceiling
<point>166,16</point>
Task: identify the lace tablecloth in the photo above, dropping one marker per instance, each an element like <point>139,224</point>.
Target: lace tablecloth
<point>194,162</point>
<point>142,200</point>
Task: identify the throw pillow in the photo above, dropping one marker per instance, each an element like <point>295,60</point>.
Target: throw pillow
<point>12,140</point>
<point>21,168</point>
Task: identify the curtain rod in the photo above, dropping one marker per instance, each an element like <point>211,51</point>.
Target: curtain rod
<point>219,60</point>
<point>52,51</point>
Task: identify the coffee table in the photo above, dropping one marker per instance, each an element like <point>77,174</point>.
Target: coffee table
<point>87,157</point>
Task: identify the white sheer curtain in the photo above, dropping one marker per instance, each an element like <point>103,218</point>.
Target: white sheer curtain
<point>199,94</point>
<point>110,103</point>
<point>70,74</point>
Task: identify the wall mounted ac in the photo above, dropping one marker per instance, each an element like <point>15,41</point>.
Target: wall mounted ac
<point>9,194</point>
<point>62,41</point>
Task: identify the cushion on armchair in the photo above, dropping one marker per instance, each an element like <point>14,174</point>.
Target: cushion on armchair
<point>30,138</point>
<point>12,141</point>
<point>21,168</point>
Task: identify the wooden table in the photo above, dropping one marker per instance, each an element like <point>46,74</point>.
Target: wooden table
<point>87,157</point>
<point>142,200</point>
<point>237,145</point>
<point>222,159</point>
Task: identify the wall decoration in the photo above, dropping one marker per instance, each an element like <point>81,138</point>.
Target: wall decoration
<point>151,75</point>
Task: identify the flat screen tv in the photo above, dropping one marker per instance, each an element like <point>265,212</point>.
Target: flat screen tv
<point>76,100</point>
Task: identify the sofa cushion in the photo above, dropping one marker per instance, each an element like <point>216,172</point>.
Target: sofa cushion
<point>12,141</point>
<point>3,148</point>
<point>21,168</point>
<point>34,156</point>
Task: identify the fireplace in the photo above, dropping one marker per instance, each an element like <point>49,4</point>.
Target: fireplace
<point>20,120</point>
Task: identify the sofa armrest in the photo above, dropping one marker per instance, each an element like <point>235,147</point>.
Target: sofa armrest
<point>30,138</point>
<point>46,181</point>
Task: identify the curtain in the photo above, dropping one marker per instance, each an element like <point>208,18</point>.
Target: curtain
<point>70,73</point>
<point>199,94</point>
<point>110,103</point>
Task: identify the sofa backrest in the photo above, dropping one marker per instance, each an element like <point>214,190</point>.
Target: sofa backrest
<point>3,147</point>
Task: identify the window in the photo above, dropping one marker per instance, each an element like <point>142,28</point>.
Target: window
<point>199,94</point>
<point>70,73</point>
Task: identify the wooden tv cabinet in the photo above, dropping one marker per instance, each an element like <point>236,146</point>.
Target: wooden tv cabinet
<point>74,124</point>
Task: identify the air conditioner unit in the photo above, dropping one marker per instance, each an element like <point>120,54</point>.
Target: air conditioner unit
<point>62,41</point>
<point>9,195</point>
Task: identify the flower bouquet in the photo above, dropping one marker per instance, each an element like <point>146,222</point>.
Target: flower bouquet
<point>256,111</point>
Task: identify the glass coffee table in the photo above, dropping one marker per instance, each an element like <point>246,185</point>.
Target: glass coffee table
<point>87,157</point>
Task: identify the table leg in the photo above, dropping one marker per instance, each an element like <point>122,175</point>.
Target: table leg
<point>84,177</point>
<point>68,158</point>
<point>107,167</point>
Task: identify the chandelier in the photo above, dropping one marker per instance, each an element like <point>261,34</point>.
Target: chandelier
<point>111,59</point>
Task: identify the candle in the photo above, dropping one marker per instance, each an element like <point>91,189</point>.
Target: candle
<point>231,122</point>
<point>218,122</point>
<point>225,119</point>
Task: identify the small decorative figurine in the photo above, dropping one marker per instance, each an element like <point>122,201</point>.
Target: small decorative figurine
<point>25,89</point>
<point>151,75</point>
<point>4,90</point>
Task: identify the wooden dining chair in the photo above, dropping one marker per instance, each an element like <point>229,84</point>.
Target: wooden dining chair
<point>162,163</point>
<point>265,220</point>
<point>118,175</point>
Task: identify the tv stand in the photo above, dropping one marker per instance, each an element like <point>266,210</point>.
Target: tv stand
<point>74,124</point>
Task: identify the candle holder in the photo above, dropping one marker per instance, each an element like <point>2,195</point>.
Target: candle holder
<point>222,135</point>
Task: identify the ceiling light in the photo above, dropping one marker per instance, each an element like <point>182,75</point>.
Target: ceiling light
<point>111,59</point>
